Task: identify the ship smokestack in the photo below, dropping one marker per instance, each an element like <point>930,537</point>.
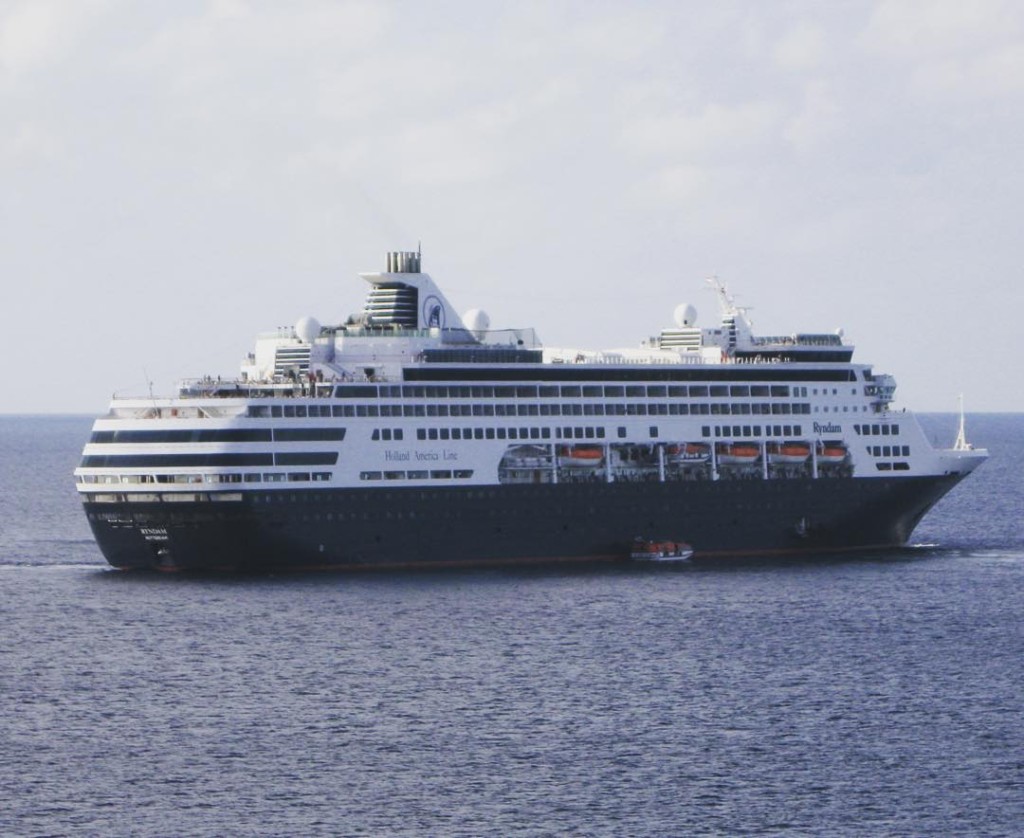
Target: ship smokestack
<point>403,262</point>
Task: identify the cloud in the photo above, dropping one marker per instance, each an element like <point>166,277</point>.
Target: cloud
<point>996,73</point>
<point>29,141</point>
<point>682,185</point>
<point>620,37</point>
<point>819,118</point>
<point>715,131</point>
<point>911,30</point>
<point>801,48</point>
<point>230,37</point>
<point>38,33</point>
<point>952,49</point>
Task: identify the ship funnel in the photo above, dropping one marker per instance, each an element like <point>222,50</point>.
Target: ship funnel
<point>403,262</point>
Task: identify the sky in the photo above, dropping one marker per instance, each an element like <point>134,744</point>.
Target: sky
<point>177,177</point>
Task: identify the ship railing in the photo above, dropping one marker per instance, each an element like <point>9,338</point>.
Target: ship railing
<point>798,340</point>
<point>272,388</point>
<point>613,359</point>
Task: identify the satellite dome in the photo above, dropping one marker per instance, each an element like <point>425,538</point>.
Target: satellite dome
<point>477,321</point>
<point>307,329</point>
<point>685,315</point>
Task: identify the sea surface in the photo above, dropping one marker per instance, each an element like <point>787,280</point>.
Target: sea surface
<point>880,694</point>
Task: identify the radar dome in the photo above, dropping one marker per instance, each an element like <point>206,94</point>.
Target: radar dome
<point>307,329</point>
<point>477,321</point>
<point>685,315</point>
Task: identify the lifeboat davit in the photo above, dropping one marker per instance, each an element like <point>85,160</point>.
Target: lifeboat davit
<point>788,453</point>
<point>737,454</point>
<point>526,456</point>
<point>580,456</point>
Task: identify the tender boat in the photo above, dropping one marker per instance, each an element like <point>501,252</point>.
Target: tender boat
<point>647,550</point>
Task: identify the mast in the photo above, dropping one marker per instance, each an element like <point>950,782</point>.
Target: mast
<point>961,443</point>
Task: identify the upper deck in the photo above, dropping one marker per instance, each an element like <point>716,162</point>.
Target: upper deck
<point>408,331</point>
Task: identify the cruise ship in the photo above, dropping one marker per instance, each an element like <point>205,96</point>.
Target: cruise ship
<point>410,437</point>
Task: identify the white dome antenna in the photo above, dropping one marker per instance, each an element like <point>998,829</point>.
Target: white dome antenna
<point>477,321</point>
<point>685,315</point>
<point>307,329</point>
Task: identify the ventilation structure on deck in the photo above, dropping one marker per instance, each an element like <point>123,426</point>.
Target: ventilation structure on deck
<point>291,359</point>
<point>392,303</point>
<point>685,339</point>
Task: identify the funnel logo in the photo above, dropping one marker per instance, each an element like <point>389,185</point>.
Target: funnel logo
<point>433,313</point>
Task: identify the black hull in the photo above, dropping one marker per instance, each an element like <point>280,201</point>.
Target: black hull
<point>413,527</point>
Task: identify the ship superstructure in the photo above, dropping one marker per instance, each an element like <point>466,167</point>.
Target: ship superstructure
<point>411,436</point>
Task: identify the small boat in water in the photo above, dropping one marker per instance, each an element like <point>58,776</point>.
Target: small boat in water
<point>646,550</point>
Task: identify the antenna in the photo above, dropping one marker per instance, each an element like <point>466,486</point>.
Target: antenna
<point>726,301</point>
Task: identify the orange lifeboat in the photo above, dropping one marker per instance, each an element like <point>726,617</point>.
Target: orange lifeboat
<point>580,456</point>
<point>831,453</point>
<point>788,453</point>
<point>737,453</point>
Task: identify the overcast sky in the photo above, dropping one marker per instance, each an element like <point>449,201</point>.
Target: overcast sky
<point>176,177</point>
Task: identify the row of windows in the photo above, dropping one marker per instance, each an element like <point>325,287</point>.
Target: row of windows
<point>889,450</point>
<point>877,430</point>
<point>444,410</point>
<point>551,391</point>
<point>211,460</point>
<point>733,431</point>
<point>194,435</point>
<point>893,466</point>
<point>291,411</point>
<point>191,479</point>
<point>591,432</point>
<point>567,432</point>
<point>436,474</point>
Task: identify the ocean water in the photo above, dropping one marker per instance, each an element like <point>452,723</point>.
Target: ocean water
<point>880,694</point>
